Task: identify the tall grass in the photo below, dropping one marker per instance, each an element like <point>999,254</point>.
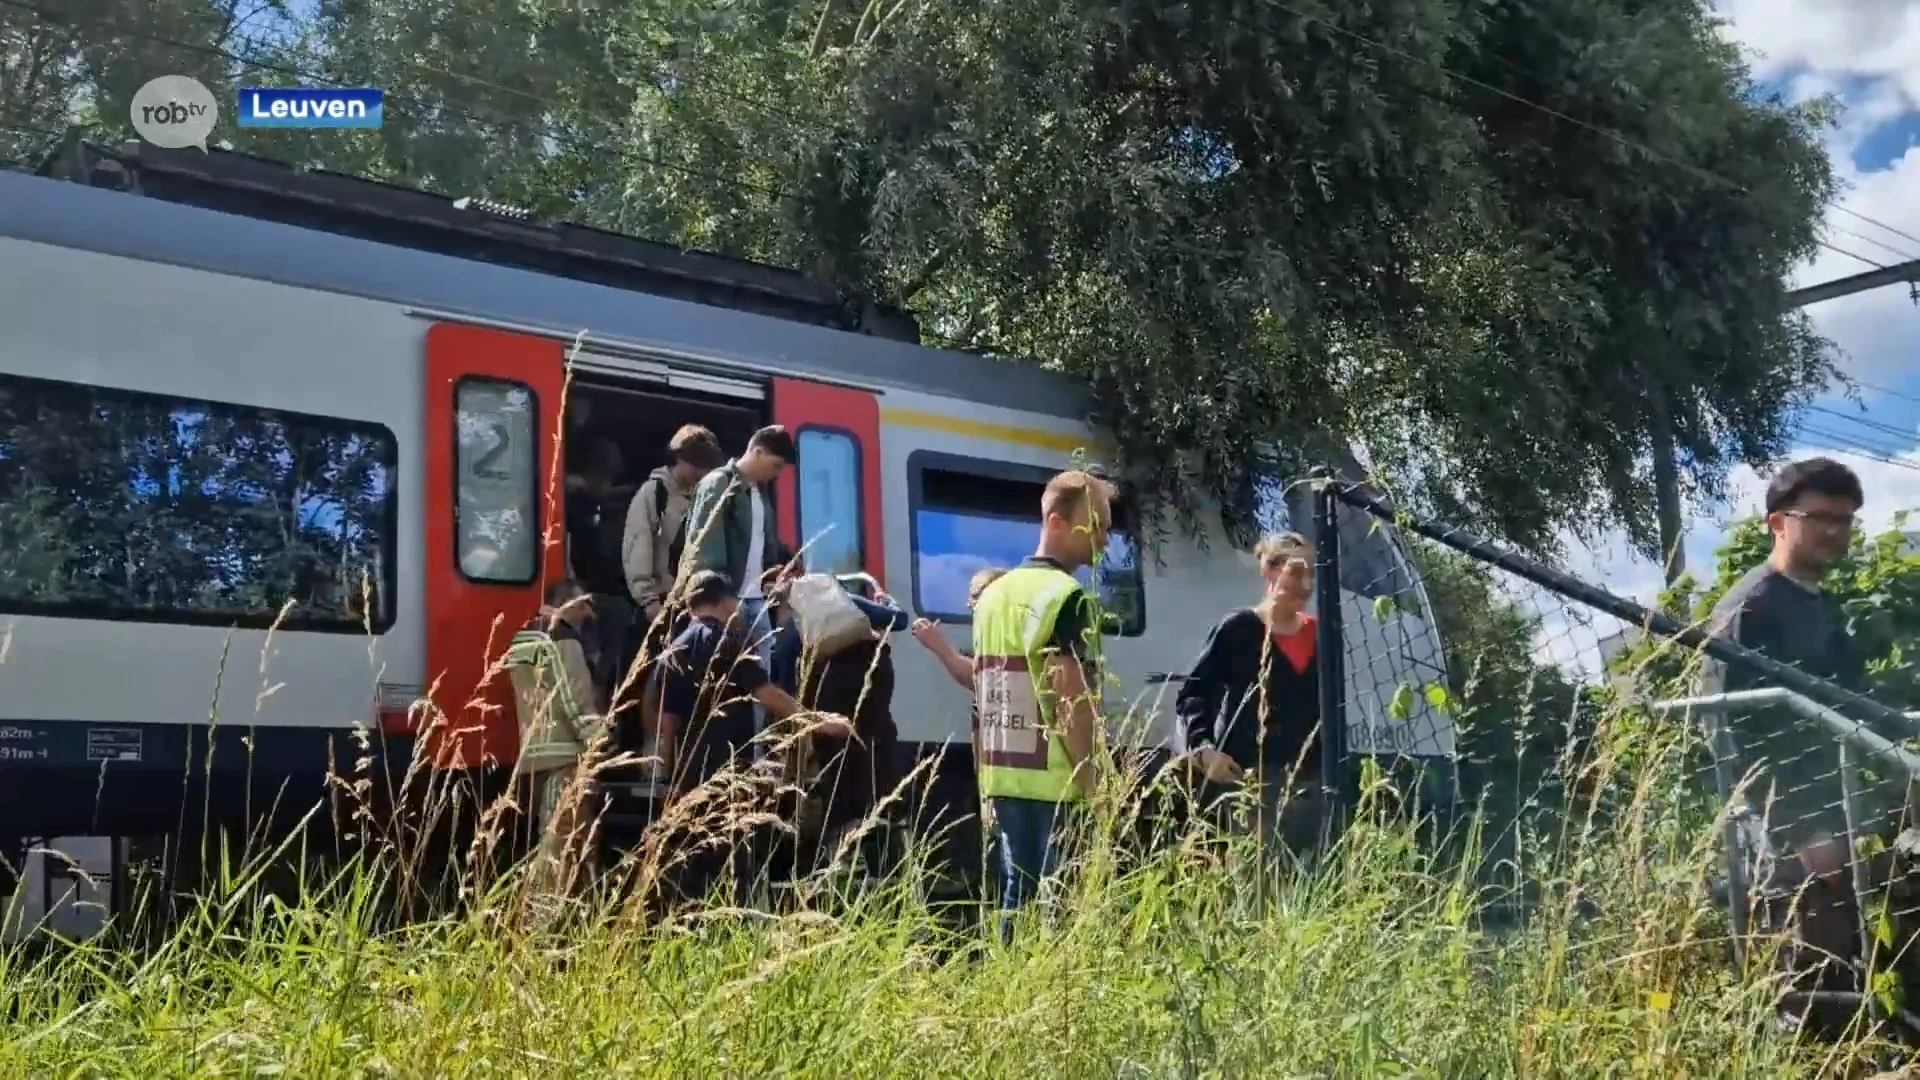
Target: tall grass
<point>1191,957</point>
<point>1161,963</point>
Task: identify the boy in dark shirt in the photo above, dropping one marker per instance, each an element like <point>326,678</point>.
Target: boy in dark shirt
<point>1789,763</point>
<point>711,679</point>
<point>1788,827</point>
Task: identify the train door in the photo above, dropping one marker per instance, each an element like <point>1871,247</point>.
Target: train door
<point>828,507</point>
<point>493,528</point>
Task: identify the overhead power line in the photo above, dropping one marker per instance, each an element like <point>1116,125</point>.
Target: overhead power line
<point>1881,244</point>
<point>1867,423</point>
<point>1827,439</point>
<point>1878,224</point>
<point>1888,391</point>
<point>1851,255</point>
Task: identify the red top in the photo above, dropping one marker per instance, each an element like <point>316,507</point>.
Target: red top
<point>1297,647</point>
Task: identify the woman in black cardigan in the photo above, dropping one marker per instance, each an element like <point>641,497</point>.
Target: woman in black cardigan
<point>1251,706</point>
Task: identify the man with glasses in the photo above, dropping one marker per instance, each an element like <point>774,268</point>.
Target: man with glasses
<point>1779,610</point>
<point>1788,823</point>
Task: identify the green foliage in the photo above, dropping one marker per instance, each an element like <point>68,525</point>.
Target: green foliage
<point>1374,965</point>
<point>1521,722</point>
<point>1515,249</point>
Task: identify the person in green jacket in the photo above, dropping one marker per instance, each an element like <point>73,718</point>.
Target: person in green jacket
<point>730,531</point>
<point>1036,672</point>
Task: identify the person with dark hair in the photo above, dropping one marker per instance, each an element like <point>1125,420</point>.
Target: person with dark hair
<point>591,489</point>
<point>595,510</point>
<point>711,681</point>
<point>1788,823</point>
<point>730,526</point>
<point>653,538</point>
<point>1779,609</point>
<point>656,526</point>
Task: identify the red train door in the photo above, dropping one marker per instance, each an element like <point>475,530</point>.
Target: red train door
<point>829,506</point>
<point>494,529</point>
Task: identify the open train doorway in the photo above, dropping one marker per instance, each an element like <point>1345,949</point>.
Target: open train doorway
<point>640,420</point>
<point>635,409</point>
<point>637,416</point>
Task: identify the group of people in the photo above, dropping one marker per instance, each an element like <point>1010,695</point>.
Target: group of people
<point>688,623</point>
<point>686,619</point>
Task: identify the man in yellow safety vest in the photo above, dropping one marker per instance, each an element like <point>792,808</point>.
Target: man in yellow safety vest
<point>1036,646</point>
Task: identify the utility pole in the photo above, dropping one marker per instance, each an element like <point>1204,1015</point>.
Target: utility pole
<point>1907,273</point>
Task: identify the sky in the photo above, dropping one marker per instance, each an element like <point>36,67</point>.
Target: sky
<point>1868,53</point>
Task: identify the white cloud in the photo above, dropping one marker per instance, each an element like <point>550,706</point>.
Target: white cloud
<point>1877,331</point>
<point>1870,50</point>
<point>1892,485</point>
<point>1857,37</point>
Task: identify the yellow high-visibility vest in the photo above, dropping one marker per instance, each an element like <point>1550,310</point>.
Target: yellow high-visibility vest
<point>1021,750</point>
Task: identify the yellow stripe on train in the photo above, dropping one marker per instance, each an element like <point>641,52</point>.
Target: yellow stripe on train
<point>983,429</point>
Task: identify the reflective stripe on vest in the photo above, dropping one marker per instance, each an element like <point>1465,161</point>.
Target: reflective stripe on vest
<point>1019,748</point>
<point>551,734</point>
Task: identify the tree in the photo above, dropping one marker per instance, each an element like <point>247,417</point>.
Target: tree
<point>1516,714</point>
<point>1526,254</point>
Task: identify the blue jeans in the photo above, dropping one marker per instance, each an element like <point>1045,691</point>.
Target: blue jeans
<point>752,621</point>
<point>1026,845</point>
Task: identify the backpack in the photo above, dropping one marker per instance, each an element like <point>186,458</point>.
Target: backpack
<point>678,542</point>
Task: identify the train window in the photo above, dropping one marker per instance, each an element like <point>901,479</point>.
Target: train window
<point>1370,561</point>
<point>140,507</point>
<point>829,500</point>
<point>496,508</point>
<point>966,521</point>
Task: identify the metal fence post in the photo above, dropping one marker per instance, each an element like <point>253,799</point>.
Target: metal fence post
<point>1330,650</point>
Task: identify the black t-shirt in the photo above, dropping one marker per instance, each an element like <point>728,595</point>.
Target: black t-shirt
<point>708,678</point>
<point>1255,696</point>
<point>1795,624</point>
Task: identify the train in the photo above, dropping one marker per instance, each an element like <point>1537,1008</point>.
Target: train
<point>278,450</point>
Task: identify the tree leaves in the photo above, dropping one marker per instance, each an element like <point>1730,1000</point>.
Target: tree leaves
<point>1482,240</point>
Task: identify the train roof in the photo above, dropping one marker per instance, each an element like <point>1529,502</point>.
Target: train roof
<point>235,214</point>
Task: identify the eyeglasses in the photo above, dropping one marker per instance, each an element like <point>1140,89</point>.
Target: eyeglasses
<point>1820,517</point>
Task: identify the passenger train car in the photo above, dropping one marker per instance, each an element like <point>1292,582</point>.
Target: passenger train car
<point>277,451</point>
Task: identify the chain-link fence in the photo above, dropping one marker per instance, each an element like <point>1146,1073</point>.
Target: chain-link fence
<point>1581,737</point>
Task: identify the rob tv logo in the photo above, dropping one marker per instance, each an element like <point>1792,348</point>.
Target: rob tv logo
<point>308,107</point>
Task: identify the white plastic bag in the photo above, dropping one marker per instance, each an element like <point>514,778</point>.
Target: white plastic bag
<point>826,616</point>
